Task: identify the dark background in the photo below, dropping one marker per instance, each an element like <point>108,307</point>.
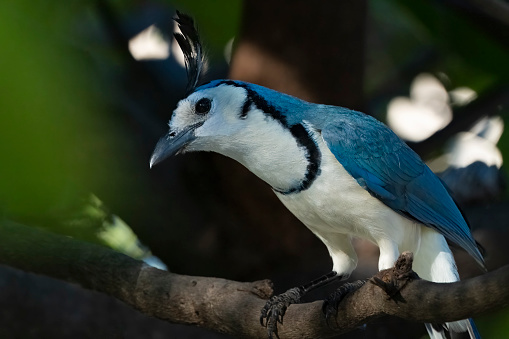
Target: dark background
<point>79,118</point>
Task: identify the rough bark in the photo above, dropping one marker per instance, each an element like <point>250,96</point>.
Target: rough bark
<point>233,307</point>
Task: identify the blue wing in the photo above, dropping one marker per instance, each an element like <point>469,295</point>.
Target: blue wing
<point>387,168</point>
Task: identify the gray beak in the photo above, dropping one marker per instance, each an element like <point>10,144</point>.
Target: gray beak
<point>171,144</point>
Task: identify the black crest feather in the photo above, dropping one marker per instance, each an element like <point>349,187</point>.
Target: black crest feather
<point>189,42</point>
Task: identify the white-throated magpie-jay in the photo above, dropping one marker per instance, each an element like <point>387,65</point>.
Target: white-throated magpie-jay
<point>342,173</point>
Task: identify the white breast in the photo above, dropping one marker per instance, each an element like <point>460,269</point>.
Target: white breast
<point>336,208</point>
<point>336,203</point>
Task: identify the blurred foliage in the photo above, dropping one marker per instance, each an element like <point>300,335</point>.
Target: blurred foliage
<point>432,37</point>
<point>469,55</point>
<point>61,91</point>
<point>215,33</point>
<point>61,100</point>
<point>54,119</point>
<point>48,97</point>
<point>494,325</point>
<point>411,37</point>
<point>58,87</point>
<point>94,222</point>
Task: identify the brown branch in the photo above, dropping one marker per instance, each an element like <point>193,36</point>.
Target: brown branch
<point>233,307</point>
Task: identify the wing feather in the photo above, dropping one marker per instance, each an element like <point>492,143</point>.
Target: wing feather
<point>387,168</point>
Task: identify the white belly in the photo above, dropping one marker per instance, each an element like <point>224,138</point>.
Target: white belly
<point>336,206</point>
<point>336,203</point>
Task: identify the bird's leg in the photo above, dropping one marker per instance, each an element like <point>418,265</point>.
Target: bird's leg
<point>391,280</point>
<point>275,308</point>
<point>330,304</point>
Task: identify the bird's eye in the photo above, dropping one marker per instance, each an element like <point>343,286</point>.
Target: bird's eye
<point>203,106</point>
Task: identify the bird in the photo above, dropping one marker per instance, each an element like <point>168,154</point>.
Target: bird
<point>342,173</point>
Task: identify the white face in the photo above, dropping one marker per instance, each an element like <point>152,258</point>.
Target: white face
<point>218,123</point>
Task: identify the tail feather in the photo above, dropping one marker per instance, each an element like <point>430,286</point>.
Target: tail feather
<point>472,329</point>
<point>436,331</point>
<point>434,262</point>
<point>467,326</point>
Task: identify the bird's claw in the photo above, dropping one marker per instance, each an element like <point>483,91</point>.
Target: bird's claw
<point>331,303</point>
<point>330,306</point>
<point>275,309</point>
<point>330,309</point>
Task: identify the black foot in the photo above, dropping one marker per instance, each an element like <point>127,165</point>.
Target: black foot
<point>275,309</point>
<point>330,304</point>
<point>395,284</point>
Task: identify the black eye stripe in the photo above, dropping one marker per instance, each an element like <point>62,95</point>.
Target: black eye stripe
<point>203,106</point>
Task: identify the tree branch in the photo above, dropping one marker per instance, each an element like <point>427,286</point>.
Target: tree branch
<point>233,307</point>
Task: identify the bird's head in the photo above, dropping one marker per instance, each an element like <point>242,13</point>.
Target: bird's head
<point>208,115</point>
<point>206,120</point>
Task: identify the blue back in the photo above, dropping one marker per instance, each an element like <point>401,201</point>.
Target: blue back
<point>380,162</point>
